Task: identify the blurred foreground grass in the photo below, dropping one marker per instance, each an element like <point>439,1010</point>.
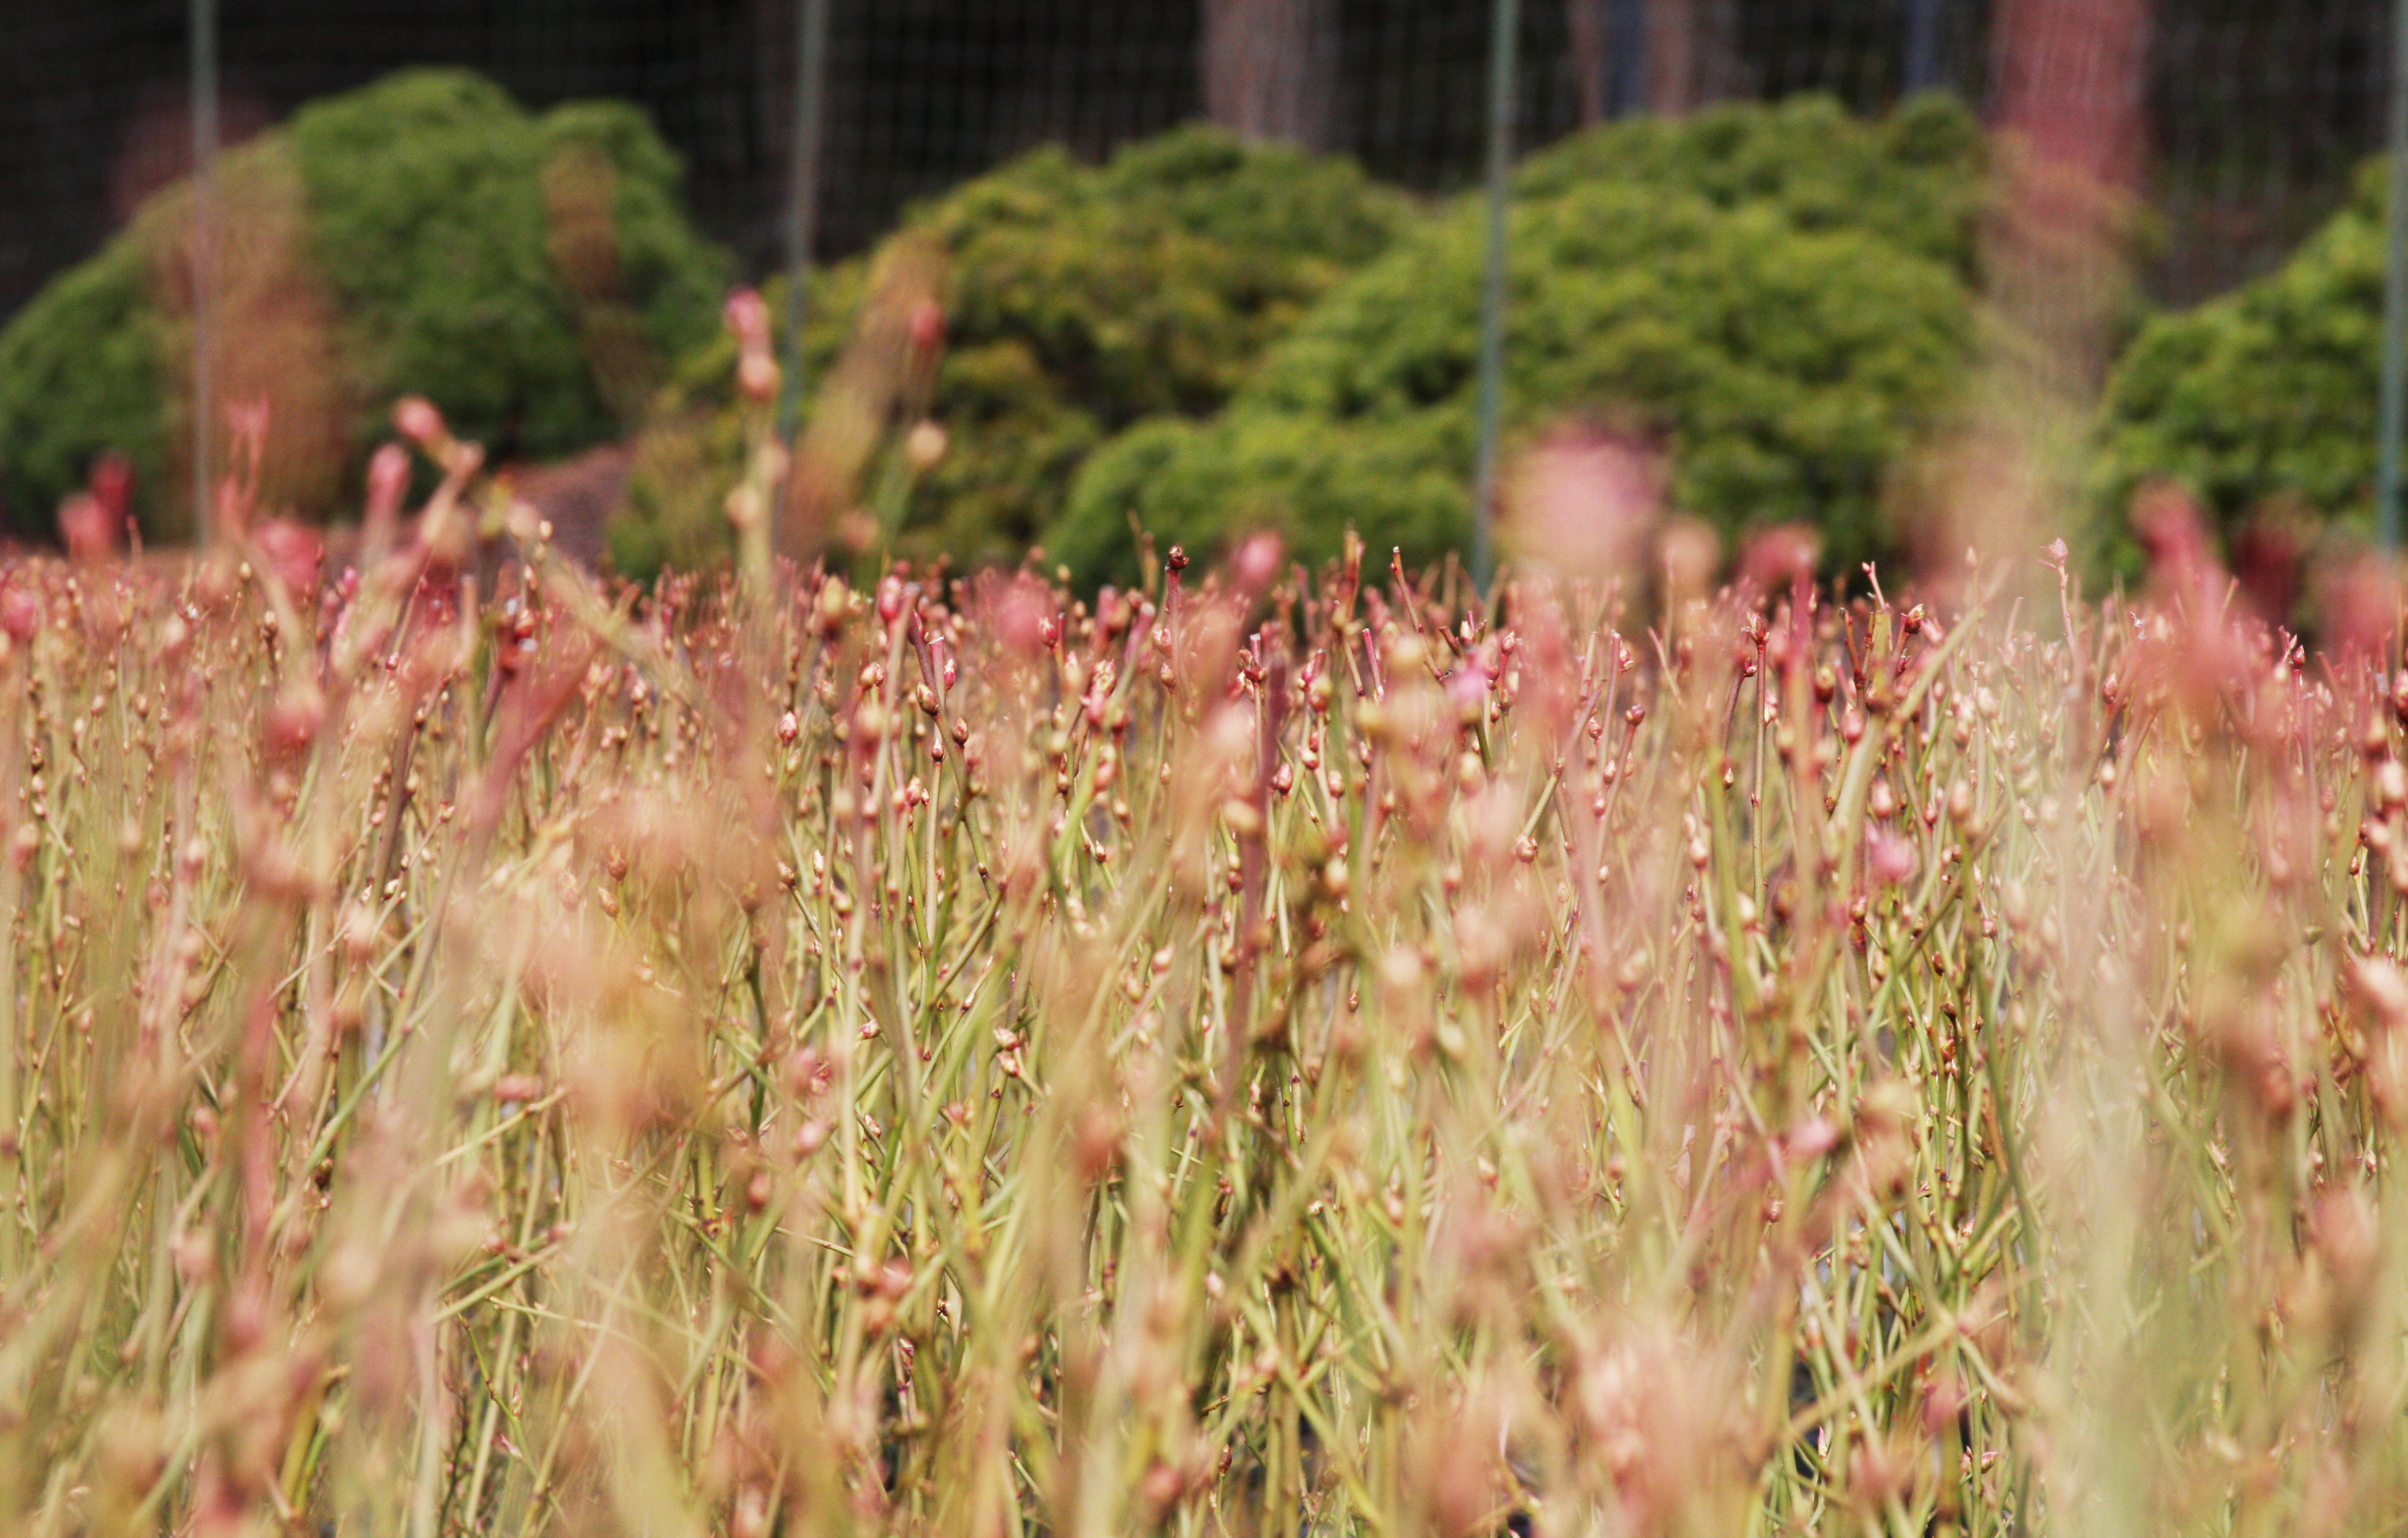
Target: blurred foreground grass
<point>1263,1055</point>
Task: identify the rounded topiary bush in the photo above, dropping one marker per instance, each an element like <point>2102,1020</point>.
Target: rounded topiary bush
<point>2265,396</point>
<point>528,273</point>
<point>79,375</point>
<point>1077,300</point>
<point>1782,293</point>
<point>1916,179</point>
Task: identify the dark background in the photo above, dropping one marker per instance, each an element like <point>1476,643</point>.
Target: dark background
<point>2256,108</point>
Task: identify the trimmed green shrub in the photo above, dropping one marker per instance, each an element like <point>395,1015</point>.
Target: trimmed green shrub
<point>529,273</point>
<point>2266,394</point>
<point>1783,291</point>
<point>1078,300</point>
<point>1916,179</point>
<point>80,374</point>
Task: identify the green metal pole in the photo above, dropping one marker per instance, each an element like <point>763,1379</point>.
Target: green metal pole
<point>802,205</point>
<point>2394,403</point>
<point>202,21</point>
<point>1505,27</point>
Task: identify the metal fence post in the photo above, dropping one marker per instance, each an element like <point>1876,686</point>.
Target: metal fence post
<point>1924,25</point>
<point>202,21</point>
<point>1505,27</point>
<point>802,215</point>
<point>2394,402</point>
<point>1626,58</point>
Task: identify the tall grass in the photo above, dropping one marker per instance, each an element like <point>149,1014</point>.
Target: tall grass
<point>1269,1054</point>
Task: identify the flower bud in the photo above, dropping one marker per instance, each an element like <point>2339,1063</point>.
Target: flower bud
<point>416,420</point>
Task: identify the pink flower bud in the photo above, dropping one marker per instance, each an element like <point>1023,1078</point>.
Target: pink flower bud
<point>84,524</point>
<point>1889,858</point>
<point>756,361</point>
<point>1585,501</point>
<point>293,551</point>
<point>927,327</point>
<point>1256,563</point>
<point>113,485</point>
<point>418,420</point>
<point>1779,558</point>
<point>20,613</point>
<point>387,483</point>
<point>293,719</point>
<point>748,318</point>
<point>756,375</point>
<point>1811,1137</point>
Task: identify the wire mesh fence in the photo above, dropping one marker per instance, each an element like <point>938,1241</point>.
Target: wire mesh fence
<point>2257,110</point>
<point>2259,113</point>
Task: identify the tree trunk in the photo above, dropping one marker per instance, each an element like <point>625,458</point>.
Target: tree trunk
<point>1692,54</point>
<point>2071,82</point>
<point>1585,21</point>
<point>1270,68</point>
<point>2071,76</point>
<point>2068,94</point>
<point>1608,44</point>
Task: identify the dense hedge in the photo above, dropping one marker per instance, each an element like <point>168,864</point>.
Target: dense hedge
<point>80,374</point>
<point>528,273</point>
<point>1783,291</point>
<point>2266,395</point>
<point>1077,300</point>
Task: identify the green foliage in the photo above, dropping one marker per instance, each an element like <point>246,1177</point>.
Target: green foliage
<point>2266,395</point>
<point>434,222</point>
<point>1784,292</point>
<point>527,273</point>
<point>1079,300</point>
<point>1915,178</point>
<point>79,375</point>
